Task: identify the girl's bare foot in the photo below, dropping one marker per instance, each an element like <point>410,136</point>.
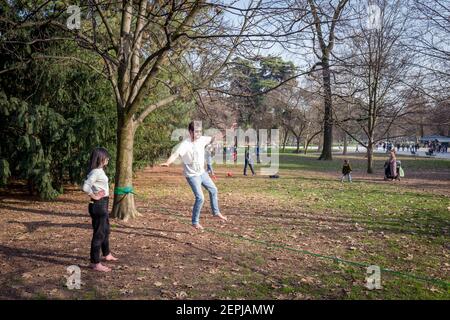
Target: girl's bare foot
<point>100,267</point>
<point>110,257</point>
<point>221,217</point>
<point>197,226</point>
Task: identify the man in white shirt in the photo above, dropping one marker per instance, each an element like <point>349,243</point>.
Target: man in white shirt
<point>192,153</point>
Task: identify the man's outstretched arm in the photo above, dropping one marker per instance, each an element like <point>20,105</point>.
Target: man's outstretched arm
<point>171,159</point>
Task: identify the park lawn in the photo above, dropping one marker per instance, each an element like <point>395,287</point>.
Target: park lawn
<point>403,217</point>
<point>281,242</point>
<point>403,229</point>
<point>309,162</point>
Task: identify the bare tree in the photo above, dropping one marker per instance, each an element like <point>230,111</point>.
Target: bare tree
<point>292,110</point>
<point>373,76</point>
<point>326,15</point>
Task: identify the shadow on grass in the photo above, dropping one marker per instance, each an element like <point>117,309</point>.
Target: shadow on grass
<point>43,212</point>
<point>39,255</point>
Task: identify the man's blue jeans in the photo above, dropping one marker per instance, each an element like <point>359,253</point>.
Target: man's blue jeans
<point>196,184</point>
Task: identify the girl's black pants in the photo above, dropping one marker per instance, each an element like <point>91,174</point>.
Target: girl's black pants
<point>98,210</point>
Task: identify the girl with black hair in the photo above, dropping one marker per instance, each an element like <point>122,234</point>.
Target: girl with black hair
<point>96,186</point>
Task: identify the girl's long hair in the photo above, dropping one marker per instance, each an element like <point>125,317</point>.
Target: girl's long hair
<point>98,157</point>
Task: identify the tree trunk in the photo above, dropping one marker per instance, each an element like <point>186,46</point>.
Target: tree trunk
<point>306,143</point>
<point>298,144</point>
<point>124,207</point>
<point>328,114</point>
<point>370,157</point>
<point>345,144</point>
<point>285,139</point>
<point>258,158</point>
<point>307,146</point>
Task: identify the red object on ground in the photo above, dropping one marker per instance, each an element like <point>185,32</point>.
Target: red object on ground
<point>229,174</point>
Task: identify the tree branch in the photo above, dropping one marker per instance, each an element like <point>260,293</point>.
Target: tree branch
<point>148,109</point>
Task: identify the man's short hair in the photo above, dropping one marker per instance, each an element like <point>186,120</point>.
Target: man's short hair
<point>191,126</point>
